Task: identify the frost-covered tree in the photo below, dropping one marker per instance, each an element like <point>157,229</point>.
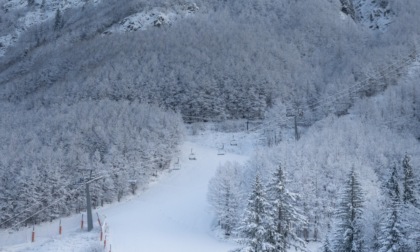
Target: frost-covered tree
<point>348,8</point>
<point>285,214</point>
<point>326,247</point>
<point>409,183</point>
<point>58,20</point>
<point>256,230</point>
<point>224,195</point>
<point>348,235</point>
<point>391,239</point>
<point>40,166</point>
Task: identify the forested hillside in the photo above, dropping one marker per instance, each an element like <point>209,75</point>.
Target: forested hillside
<point>231,59</point>
<point>48,152</point>
<point>349,182</point>
<point>104,86</point>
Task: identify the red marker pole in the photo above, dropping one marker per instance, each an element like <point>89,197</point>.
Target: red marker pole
<point>105,242</point>
<point>60,229</point>
<point>33,234</point>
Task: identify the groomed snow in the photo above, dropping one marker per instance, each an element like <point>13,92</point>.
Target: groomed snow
<point>173,214</point>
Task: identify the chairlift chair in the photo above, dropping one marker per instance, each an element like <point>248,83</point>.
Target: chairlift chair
<point>233,141</point>
<point>177,165</point>
<point>192,156</point>
<point>221,151</point>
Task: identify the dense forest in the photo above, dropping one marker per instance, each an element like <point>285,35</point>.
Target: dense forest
<point>232,59</point>
<point>77,96</point>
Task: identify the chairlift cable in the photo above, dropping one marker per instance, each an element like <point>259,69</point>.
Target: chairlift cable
<point>359,85</point>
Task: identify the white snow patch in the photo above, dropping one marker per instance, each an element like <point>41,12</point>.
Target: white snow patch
<point>5,42</point>
<point>140,21</point>
<point>154,17</point>
<point>33,16</point>
<point>373,15</point>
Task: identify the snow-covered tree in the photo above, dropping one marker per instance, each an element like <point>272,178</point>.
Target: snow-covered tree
<point>391,239</point>
<point>348,235</point>
<point>409,183</point>
<point>256,230</point>
<point>224,195</point>
<point>326,247</point>
<point>58,21</point>
<point>285,215</point>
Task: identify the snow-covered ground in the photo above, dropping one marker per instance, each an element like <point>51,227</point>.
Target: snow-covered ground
<point>32,16</point>
<point>154,17</point>
<point>173,214</point>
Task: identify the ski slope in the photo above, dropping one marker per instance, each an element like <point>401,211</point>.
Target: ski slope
<point>171,215</point>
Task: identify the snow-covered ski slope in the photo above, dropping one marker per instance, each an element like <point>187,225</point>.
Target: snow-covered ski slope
<point>173,214</point>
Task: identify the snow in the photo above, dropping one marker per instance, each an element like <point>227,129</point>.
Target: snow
<point>373,15</point>
<point>33,16</point>
<point>5,42</point>
<point>138,21</point>
<point>154,17</point>
<point>171,215</point>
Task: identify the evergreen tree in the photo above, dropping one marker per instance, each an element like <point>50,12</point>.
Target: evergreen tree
<point>28,197</point>
<point>327,246</point>
<point>348,236</point>
<point>391,239</point>
<point>408,183</point>
<point>256,229</point>
<point>58,21</point>
<point>224,195</point>
<point>284,214</point>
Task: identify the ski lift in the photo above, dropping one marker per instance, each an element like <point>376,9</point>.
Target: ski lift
<point>233,141</point>
<point>192,156</point>
<point>177,165</point>
<point>221,151</point>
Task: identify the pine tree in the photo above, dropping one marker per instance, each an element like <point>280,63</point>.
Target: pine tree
<point>284,214</point>
<point>327,246</point>
<point>58,21</point>
<point>28,199</point>
<point>256,229</point>
<point>391,229</point>
<point>409,183</point>
<point>224,196</point>
<point>348,235</point>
